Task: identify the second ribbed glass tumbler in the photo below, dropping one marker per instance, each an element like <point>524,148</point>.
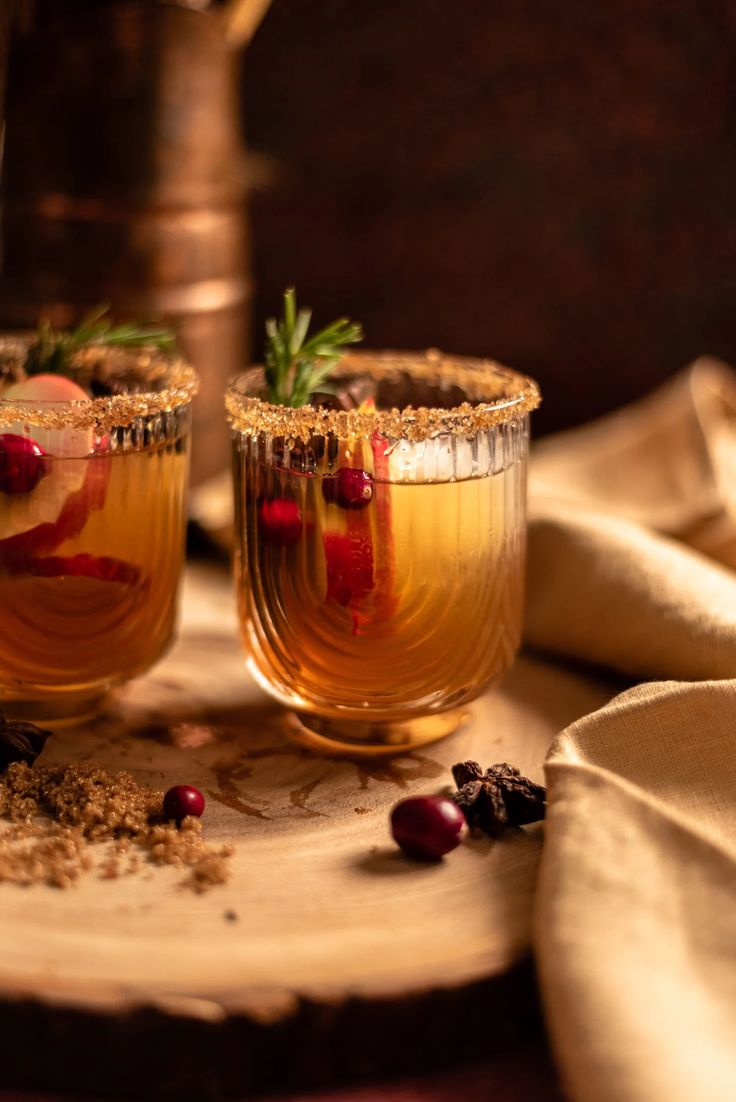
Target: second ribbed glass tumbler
<point>380,548</point>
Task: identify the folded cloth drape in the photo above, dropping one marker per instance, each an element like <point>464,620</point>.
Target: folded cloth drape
<point>633,565</point>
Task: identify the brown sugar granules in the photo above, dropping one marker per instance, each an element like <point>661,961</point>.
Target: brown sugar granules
<point>67,820</point>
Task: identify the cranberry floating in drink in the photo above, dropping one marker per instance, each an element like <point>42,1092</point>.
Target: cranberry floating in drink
<point>21,463</point>
<point>93,465</point>
<point>280,521</point>
<point>399,598</point>
<point>351,488</point>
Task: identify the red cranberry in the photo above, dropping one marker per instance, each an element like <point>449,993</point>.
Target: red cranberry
<point>21,463</point>
<point>427,827</point>
<point>281,521</point>
<point>102,568</point>
<point>349,561</point>
<point>350,488</point>
<point>183,800</point>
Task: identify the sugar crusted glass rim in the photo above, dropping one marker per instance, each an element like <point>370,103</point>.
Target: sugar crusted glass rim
<point>495,394</point>
<point>180,385</point>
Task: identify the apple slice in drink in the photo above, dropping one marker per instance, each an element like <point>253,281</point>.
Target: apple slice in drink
<point>40,390</point>
<point>358,546</point>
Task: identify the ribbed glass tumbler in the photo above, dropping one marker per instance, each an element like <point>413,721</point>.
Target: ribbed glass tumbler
<point>380,547</point>
<point>92,522</point>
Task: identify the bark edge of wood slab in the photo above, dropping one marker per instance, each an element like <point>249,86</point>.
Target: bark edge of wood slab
<point>153,1052</point>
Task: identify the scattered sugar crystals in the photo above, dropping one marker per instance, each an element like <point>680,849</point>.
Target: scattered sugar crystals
<point>65,821</point>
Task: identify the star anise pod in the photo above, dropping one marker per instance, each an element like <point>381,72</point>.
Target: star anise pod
<point>498,797</point>
<point>20,741</point>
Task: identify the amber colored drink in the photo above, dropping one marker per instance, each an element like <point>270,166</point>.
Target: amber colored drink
<point>380,548</point>
<point>413,600</point>
<point>86,567</point>
<point>93,474</point>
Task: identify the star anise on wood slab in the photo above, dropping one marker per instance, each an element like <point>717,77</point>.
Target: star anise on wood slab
<point>20,741</point>
<point>498,797</point>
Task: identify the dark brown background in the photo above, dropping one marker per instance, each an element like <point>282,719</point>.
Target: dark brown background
<point>551,184</point>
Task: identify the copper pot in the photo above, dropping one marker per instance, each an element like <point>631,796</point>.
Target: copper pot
<point>124,182</point>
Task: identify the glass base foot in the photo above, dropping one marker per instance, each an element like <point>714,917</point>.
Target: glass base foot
<point>65,712</point>
<point>358,739</point>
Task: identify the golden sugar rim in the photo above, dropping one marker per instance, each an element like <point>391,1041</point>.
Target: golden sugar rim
<point>496,395</point>
<point>181,384</point>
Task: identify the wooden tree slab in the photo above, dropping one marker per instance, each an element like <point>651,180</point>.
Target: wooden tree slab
<point>329,953</point>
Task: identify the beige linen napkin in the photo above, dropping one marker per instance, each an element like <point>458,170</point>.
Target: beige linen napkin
<point>636,905</point>
<point>610,507</point>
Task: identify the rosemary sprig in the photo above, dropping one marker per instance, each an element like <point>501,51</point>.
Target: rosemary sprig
<point>295,366</point>
<point>51,352</point>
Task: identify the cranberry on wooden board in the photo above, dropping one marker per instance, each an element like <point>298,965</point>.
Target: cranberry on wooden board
<point>427,827</point>
<point>183,800</point>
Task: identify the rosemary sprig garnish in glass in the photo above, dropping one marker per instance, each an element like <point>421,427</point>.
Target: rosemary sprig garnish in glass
<point>297,366</point>
<point>52,351</point>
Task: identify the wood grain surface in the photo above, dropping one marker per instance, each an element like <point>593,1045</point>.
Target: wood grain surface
<point>328,955</point>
